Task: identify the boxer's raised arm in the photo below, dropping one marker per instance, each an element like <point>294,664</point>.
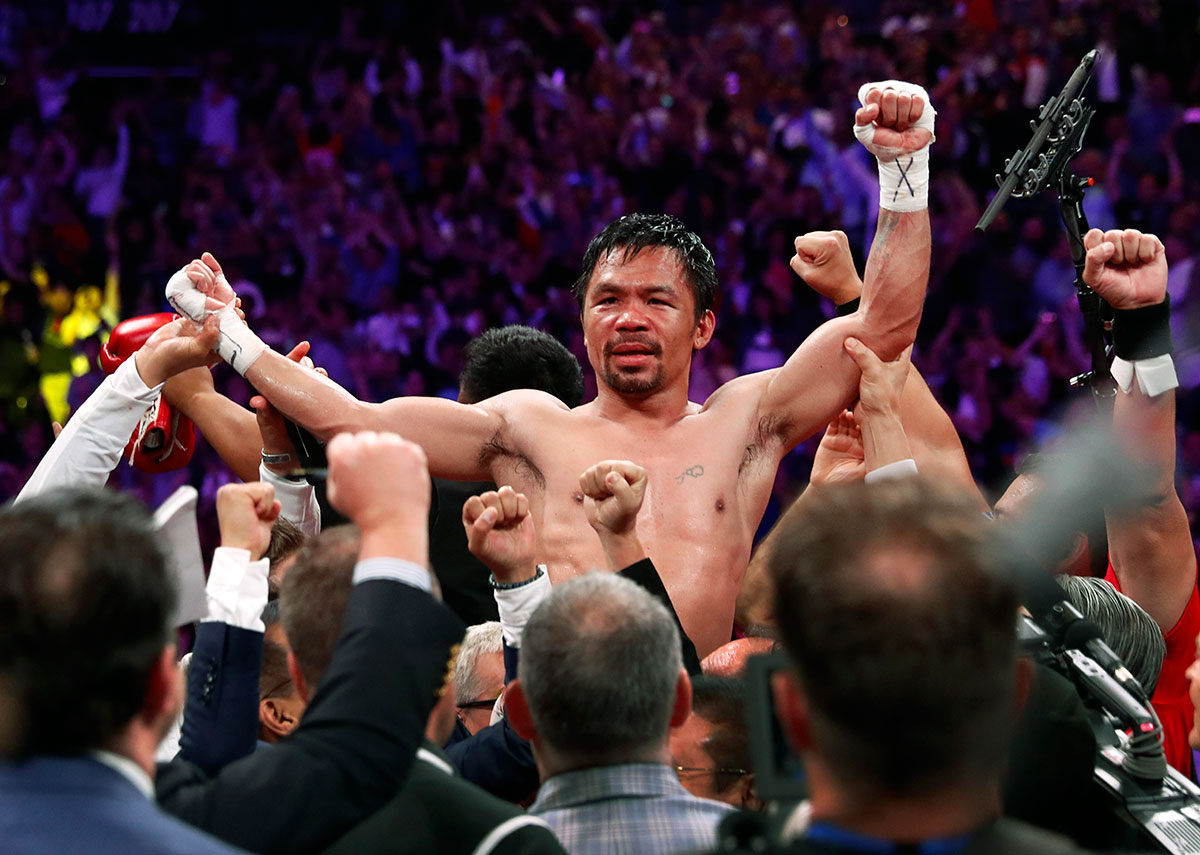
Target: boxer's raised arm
<point>820,378</point>
<point>454,436</point>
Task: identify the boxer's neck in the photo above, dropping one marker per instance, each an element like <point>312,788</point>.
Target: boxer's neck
<point>668,404</point>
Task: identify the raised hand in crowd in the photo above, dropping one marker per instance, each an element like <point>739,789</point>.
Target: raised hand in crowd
<point>1125,267</point>
<point>824,262</point>
<point>613,491</point>
<point>381,483</point>
<point>245,514</point>
<point>500,533</point>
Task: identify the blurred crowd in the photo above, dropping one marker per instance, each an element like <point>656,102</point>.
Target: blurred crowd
<point>387,183</point>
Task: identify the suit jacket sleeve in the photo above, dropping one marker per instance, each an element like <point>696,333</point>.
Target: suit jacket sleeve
<point>356,742</point>
<point>220,719</point>
<point>646,574</point>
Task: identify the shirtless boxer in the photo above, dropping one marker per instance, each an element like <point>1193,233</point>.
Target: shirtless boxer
<point>646,290</point>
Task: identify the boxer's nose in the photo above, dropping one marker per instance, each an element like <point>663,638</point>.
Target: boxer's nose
<point>632,319</point>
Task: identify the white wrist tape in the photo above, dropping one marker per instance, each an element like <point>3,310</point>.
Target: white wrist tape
<point>238,345</point>
<point>903,176</point>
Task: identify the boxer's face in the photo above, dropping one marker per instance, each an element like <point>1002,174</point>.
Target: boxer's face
<point>639,321</point>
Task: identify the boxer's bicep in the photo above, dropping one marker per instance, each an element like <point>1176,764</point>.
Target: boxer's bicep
<point>454,436</point>
<point>816,383</point>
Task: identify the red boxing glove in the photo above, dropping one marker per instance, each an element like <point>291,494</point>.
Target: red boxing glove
<point>128,336</point>
<point>164,439</point>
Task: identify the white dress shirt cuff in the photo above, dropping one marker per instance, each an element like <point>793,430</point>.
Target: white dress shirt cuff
<point>1155,375</point>
<point>127,382</point>
<point>899,469</point>
<point>297,500</point>
<point>517,604</point>
<point>396,569</point>
<point>237,588</point>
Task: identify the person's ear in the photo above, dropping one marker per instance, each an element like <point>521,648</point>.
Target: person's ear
<point>704,330</point>
<point>165,689</point>
<point>516,709</point>
<point>277,717</point>
<point>297,676</point>
<point>792,708</point>
<point>747,795</point>
<point>683,700</point>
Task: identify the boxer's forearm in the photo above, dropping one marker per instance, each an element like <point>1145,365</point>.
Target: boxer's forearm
<point>308,398</point>
<point>894,284</point>
<point>884,440</point>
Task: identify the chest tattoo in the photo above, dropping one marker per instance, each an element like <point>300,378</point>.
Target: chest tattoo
<point>691,472</point>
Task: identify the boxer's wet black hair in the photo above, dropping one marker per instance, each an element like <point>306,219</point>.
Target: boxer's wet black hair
<point>517,357</point>
<point>85,604</point>
<point>633,233</point>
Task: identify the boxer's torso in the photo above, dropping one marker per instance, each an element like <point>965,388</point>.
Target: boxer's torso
<point>708,483</point>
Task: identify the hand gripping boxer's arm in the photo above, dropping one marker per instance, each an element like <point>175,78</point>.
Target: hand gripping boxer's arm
<point>90,445</point>
<point>869,443</point>
<point>451,434</point>
<point>820,378</point>
<point>824,262</point>
<point>1150,547</point>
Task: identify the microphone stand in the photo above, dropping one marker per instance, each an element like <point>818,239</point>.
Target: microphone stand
<point>1041,165</point>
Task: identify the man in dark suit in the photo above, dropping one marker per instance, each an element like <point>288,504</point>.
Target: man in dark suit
<point>899,621</point>
<point>88,680</point>
<point>436,811</point>
<point>358,736</point>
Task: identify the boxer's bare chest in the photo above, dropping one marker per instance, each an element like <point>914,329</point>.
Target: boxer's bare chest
<point>706,490</point>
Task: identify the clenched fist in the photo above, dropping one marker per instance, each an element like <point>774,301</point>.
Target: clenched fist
<point>500,533</point>
<point>1126,268</point>
<point>824,262</point>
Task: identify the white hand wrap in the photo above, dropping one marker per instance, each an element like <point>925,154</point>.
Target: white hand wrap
<point>238,345</point>
<point>903,176</point>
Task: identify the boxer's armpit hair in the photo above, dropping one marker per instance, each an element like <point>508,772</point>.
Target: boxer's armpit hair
<point>770,429</point>
<point>495,449</point>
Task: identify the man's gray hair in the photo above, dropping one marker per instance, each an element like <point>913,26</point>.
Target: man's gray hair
<point>481,640</point>
<point>600,660</point>
<point>1128,628</point>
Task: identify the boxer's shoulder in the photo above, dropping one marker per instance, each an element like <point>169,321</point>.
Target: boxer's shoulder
<point>741,393</point>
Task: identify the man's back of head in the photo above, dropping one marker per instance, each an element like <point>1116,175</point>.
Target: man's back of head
<point>900,622</point>
<point>313,597</point>
<point>85,605</point>
<point>600,664</point>
<point>519,357</point>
